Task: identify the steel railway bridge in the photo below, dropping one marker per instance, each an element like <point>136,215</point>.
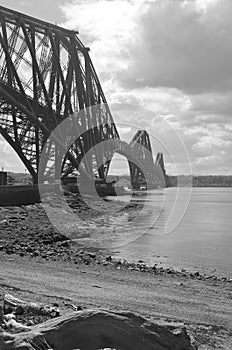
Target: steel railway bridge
<point>46,75</point>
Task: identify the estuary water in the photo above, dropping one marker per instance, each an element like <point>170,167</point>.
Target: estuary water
<point>202,238</point>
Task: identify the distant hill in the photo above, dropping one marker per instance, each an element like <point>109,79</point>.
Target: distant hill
<point>202,180</point>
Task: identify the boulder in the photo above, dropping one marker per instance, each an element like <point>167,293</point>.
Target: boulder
<point>98,329</point>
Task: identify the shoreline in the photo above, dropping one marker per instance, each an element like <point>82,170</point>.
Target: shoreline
<point>27,231</point>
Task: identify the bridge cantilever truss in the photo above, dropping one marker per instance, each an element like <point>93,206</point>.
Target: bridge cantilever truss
<point>46,74</point>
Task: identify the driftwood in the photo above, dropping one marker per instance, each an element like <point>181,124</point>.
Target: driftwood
<point>33,308</point>
<point>98,329</point>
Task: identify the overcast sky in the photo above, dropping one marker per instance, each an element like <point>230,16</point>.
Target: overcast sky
<point>171,57</point>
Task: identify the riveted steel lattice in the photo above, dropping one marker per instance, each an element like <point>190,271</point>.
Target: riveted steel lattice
<point>45,75</point>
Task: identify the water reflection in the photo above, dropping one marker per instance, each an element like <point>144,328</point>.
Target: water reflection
<point>202,239</point>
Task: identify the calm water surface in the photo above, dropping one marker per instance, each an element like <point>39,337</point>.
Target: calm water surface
<point>201,241</point>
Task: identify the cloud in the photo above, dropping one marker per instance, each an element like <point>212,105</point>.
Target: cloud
<point>45,10</point>
<point>183,44</point>
<point>107,27</point>
<point>9,159</point>
<point>213,104</point>
<point>180,45</point>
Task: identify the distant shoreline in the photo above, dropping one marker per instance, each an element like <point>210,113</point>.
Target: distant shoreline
<point>174,180</point>
<point>202,185</point>
<point>201,180</point>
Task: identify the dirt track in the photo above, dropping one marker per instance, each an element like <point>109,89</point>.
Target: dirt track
<point>204,306</point>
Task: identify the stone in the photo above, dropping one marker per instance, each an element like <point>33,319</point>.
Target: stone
<point>2,300</point>
<point>15,326</point>
<point>98,329</point>
<point>92,255</point>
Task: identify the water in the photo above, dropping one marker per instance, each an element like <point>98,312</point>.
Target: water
<point>201,241</point>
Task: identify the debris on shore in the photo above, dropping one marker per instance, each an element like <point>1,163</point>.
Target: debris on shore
<point>17,315</point>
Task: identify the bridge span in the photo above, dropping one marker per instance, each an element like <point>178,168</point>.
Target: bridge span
<point>46,75</point>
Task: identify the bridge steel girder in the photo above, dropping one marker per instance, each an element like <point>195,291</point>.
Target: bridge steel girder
<point>141,147</point>
<point>159,165</point>
<point>45,75</point>
<point>153,174</point>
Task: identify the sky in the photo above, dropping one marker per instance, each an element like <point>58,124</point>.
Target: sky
<point>164,65</point>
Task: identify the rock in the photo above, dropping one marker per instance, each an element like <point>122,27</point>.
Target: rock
<point>92,255</point>
<point>15,326</point>
<point>19,310</point>
<point>4,222</point>
<point>224,279</point>
<point>29,249</point>
<point>2,299</point>
<point>209,277</point>
<point>9,250</point>
<point>98,329</point>
<point>9,317</point>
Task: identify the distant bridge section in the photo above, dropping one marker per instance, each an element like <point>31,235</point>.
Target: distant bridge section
<point>149,174</point>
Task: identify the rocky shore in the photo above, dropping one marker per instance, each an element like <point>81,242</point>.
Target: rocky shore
<point>27,231</point>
